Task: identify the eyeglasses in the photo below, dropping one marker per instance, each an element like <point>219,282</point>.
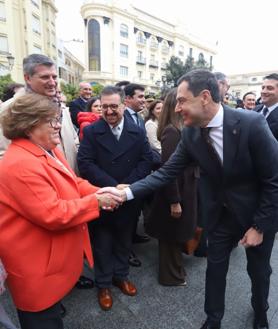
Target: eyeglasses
<point>113,107</point>
<point>54,122</point>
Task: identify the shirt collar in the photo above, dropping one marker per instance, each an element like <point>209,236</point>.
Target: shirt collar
<point>272,107</point>
<point>131,111</point>
<point>119,125</point>
<point>83,99</point>
<point>217,120</point>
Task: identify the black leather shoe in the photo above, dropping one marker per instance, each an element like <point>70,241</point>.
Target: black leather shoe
<point>63,311</point>
<point>84,283</point>
<point>207,325</point>
<point>133,260</point>
<point>140,238</point>
<point>261,322</point>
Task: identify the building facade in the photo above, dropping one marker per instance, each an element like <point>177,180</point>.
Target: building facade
<point>26,27</point>
<point>70,69</point>
<point>243,83</point>
<point>125,43</point>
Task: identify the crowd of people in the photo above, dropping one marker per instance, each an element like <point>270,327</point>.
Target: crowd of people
<point>75,179</point>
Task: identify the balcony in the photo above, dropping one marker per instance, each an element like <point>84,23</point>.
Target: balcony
<point>165,50</point>
<point>153,63</point>
<point>141,60</point>
<point>154,45</point>
<point>163,66</point>
<point>141,41</point>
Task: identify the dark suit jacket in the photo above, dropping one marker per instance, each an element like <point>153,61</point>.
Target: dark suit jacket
<point>156,162</point>
<point>76,106</point>
<point>272,119</point>
<point>247,183</point>
<point>108,162</point>
<point>128,116</point>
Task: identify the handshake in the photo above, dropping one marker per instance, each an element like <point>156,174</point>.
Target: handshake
<point>111,198</point>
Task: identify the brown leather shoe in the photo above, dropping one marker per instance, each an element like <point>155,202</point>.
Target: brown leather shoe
<point>105,298</point>
<point>126,287</point>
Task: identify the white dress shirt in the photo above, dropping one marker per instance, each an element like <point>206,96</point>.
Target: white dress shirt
<point>216,131</point>
<point>119,127</point>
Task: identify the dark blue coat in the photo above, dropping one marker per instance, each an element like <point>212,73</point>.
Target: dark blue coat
<point>76,106</point>
<point>105,161</point>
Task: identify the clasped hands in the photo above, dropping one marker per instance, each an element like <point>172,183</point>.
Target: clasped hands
<point>111,198</point>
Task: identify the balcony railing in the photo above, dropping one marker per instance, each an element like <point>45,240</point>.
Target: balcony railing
<point>141,60</point>
<point>153,63</point>
<point>154,45</point>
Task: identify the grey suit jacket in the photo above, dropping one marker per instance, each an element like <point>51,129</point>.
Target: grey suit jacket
<point>247,183</point>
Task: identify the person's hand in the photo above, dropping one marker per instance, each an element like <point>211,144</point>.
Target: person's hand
<point>107,201</point>
<point>176,210</point>
<point>122,186</point>
<point>252,238</point>
<point>119,195</point>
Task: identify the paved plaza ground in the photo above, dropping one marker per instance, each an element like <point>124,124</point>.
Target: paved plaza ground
<point>158,307</point>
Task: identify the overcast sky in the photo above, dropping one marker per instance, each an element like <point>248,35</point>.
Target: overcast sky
<point>246,30</point>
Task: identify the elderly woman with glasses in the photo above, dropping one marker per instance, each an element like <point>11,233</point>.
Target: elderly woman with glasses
<point>44,209</point>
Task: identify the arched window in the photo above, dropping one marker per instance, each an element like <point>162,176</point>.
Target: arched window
<point>141,38</point>
<point>154,42</point>
<point>124,31</point>
<point>181,50</point>
<point>94,45</point>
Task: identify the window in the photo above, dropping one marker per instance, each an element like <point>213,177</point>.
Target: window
<point>140,74</point>
<point>165,47</point>
<point>60,54</point>
<point>37,49</point>
<point>152,76</point>
<point>181,50</point>
<point>124,31</point>
<point>4,44</point>
<point>141,38</point>
<point>154,43</point>
<point>191,52</point>
<point>94,45</point>
<point>123,50</point>
<point>124,71</point>
<point>36,3</point>
<point>36,26</point>
<point>2,11</point>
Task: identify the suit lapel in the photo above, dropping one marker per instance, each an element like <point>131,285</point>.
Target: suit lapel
<point>117,147</point>
<point>231,134</point>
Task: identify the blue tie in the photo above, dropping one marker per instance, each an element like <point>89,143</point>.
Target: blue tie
<point>265,111</point>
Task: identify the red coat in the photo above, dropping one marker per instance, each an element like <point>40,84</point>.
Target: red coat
<point>84,119</point>
<point>43,233</point>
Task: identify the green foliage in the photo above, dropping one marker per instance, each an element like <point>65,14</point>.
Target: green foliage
<point>4,81</point>
<point>176,68</point>
<point>97,89</point>
<point>70,91</point>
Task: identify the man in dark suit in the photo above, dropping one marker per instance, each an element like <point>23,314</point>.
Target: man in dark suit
<point>79,104</point>
<point>269,99</point>
<point>114,151</point>
<point>239,159</point>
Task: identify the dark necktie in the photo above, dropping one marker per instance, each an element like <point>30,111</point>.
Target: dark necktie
<point>265,111</point>
<point>136,119</point>
<point>212,151</point>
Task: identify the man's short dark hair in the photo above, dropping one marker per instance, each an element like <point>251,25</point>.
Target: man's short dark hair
<point>112,90</point>
<point>122,84</point>
<point>131,88</point>
<point>248,93</point>
<point>272,76</point>
<point>199,80</point>
<point>32,61</point>
<point>219,76</point>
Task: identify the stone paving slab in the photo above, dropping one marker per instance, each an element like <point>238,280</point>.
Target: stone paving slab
<point>158,307</point>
